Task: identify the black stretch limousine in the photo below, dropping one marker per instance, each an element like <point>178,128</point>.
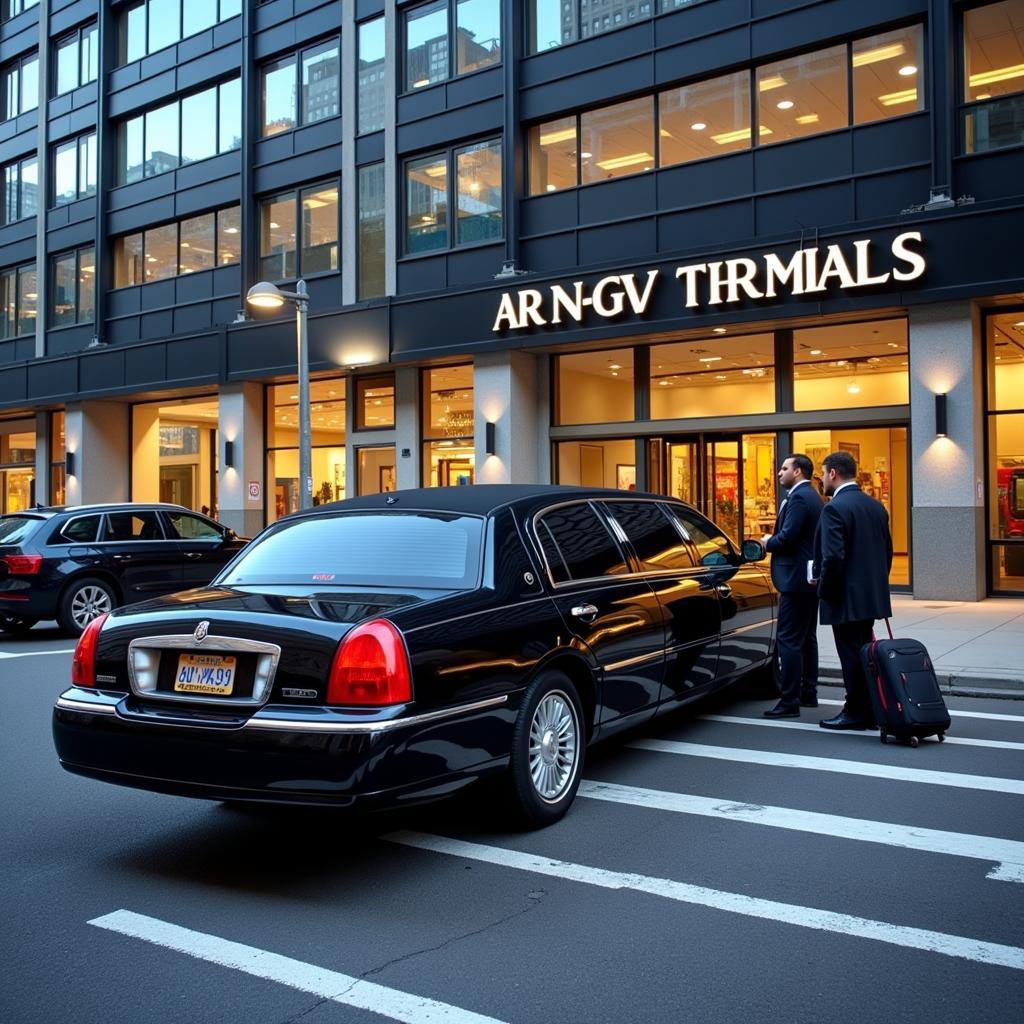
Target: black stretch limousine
<point>400,646</point>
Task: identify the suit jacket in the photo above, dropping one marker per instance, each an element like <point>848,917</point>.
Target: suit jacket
<point>792,543</point>
<point>853,554</point>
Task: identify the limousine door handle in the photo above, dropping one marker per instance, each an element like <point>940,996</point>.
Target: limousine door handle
<point>585,612</point>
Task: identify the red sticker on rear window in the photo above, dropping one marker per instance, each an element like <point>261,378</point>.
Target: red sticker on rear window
<point>323,577</point>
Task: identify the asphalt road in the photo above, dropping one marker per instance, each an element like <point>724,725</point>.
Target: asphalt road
<point>713,870</point>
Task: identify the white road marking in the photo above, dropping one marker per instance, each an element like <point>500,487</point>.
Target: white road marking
<point>1008,854</point>
<point>963,741</point>
<point>774,759</point>
<point>34,654</point>
<point>318,981</point>
<point>751,906</point>
<point>956,713</point>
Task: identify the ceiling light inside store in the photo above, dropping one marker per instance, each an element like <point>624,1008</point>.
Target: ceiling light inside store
<point>231,231</point>
<point>552,188</point>
<point>710,359</point>
<point>553,138</point>
<point>853,387</point>
<point>1019,323</point>
<point>422,82</point>
<point>614,366</point>
<point>815,351</point>
<point>718,330</point>
<point>908,70</point>
<point>663,383</point>
<point>892,344</point>
<point>895,99</point>
<point>698,126</point>
<point>808,119</point>
<point>771,82</point>
<point>785,104</point>
<point>997,75</point>
<point>585,156</point>
<point>630,160</point>
<point>436,170</point>
<point>719,376</point>
<point>274,225</point>
<point>878,53</point>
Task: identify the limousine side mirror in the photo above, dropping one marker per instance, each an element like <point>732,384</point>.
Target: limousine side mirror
<point>752,551</point>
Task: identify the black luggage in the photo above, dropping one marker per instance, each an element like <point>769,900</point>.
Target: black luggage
<point>904,692</point>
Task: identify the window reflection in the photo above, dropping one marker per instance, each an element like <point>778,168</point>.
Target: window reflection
<point>279,106</point>
<point>371,231</point>
<point>426,204</point>
<point>426,44</point>
<point>319,229</point>
<point>477,34</point>
<point>802,95</point>
<point>993,70</point>
<point>229,235</point>
<point>164,23</point>
<point>197,244</point>
<point>370,81</point>
<point>64,279</point>
<point>888,74</point>
<point>199,119</point>
<point>320,81</point>
<point>162,150</point>
<point>277,238</point>
<point>617,140</point>
<point>449,458</point>
<point>553,152</point>
<point>478,169</point>
<point>704,119</point>
<point>28,296</point>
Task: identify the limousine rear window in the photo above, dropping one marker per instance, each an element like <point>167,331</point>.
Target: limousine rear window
<point>390,549</point>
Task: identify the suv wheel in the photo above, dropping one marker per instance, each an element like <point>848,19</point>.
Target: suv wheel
<point>548,742</point>
<point>82,601</point>
<point>17,625</point>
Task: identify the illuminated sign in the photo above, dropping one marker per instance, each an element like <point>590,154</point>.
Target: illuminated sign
<point>715,283</point>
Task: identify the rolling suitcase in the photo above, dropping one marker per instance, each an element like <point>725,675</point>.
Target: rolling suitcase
<point>904,692</point>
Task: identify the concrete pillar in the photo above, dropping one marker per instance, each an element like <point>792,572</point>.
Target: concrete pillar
<point>947,473</point>
<point>41,484</point>
<point>408,427</point>
<point>240,421</point>
<point>146,452</point>
<point>97,433</point>
<point>505,394</point>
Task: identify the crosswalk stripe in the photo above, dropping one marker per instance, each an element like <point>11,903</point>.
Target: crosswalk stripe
<point>34,654</point>
<point>1007,854</point>
<point>319,981</point>
<point>737,903</point>
<point>775,759</point>
<point>954,712</point>
<point>770,723</point>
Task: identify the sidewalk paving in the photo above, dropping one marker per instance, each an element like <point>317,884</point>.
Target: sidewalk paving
<point>977,647</point>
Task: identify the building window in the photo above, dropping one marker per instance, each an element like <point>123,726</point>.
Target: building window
<point>76,59</point>
<point>299,233</point>
<point>376,467</point>
<point>57,452</point>
<point>851,366</point>
<point>302,88</point>
<point>617,140</point>
<point>73,280</point>
<point>802,95</point>
<point>150,26</point>
<point>327,429</point>
<point>477,197</point>
<point>74,169</point>
<point>20,81</point>
<point>993,89</point>
<point>11,8</point>
<point>375,402</point>
<point>595,387</point>
<point>18,296</point>
<point>196,243</point>
<point>370,81</point>
<point>430,29</point>
<point>554,23</point>
<point>449,455</point>
<point>888,74</point>
<point>21,190</point>
<point>371,274</point>
<point>704,119</point>
<point>194,128</point>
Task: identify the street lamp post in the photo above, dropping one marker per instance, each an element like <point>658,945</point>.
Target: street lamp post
<point>268,296</point>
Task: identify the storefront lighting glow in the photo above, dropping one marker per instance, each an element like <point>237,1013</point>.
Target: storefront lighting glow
<point>808,119</point>
<point>553,138</point>
<point>771,82</point>
<point>997,75</point>
<point>895,99</point>
<point>629,160</point>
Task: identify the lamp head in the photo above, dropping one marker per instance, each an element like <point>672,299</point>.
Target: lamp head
<point>265,296</point>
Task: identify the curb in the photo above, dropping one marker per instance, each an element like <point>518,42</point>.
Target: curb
<point>956,685</point>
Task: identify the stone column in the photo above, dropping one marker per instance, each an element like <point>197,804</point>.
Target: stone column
<point>43,472</point>
<point>240,420</point>
<point>947,473</point>
<point>97,433</point>
<point>408,430</point>
<point>505,392</point>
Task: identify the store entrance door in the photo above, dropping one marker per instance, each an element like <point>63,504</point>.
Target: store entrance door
<point>730,478</point>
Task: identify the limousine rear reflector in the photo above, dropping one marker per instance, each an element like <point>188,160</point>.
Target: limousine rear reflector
<point>83,664</point>
<point>370,667</point>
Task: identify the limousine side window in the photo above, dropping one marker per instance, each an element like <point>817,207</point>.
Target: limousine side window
<point>656,541</point>
<point>578,546</point>
<point>712,545</point>
<point>82,530</point>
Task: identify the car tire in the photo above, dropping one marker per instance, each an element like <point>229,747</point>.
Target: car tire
<point>16,625</point>
<point>83,599</point>
<point>548,744</point>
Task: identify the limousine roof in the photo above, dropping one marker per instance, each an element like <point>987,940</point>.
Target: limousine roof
<point>478,499</point>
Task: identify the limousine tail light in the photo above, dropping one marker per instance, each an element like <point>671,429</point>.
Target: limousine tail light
<point>371,667</point>
<point>83,664</point>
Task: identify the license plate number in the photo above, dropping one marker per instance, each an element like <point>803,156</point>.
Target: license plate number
<point>211,674</point>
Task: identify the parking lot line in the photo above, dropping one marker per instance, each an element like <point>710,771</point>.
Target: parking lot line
<point>34,654</point>
<point>1007,854</point>
<point>867,769</point>
<point>318,981</point>
<point>963,741</point>
<point>959,946</point>
<point>954,712</point>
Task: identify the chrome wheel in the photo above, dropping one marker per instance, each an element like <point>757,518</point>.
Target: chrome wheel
<point>88,602</point>
<point>553,756</point>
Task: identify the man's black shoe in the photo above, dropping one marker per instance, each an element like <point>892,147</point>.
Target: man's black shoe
<point>808,700</point>
<point>783,711</point>
<point>845,721</point>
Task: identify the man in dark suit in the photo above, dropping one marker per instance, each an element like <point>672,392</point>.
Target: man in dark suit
<point>853,556</point>
<point>792,547</point>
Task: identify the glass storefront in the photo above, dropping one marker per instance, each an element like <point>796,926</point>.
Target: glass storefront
<point>449,453</point>
<point>174,453</point>
<point>58,483</point>
<point>1004,344</point>
<point>17,467</point>
<point>327,423</point>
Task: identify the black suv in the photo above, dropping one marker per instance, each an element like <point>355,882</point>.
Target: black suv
<point>74,563</point>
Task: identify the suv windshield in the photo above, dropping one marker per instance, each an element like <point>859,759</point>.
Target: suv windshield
<point>15,529</point>
<point>390,549</point>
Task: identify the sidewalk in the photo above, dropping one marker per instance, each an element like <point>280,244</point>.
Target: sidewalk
<point>977,647</point>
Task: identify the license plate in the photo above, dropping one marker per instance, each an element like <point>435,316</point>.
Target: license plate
<point>213,674</point>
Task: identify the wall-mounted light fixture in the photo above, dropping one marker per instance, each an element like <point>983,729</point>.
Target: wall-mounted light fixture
<point>490,446</point>
<point>229,454</point>
<point>69,463</point>
<point>940,416</point>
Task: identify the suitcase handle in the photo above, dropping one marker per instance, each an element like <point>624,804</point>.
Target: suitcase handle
<point>888,627</point>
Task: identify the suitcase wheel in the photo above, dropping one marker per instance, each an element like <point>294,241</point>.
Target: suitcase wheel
<point>884,737</point>
<point>914,741</point>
